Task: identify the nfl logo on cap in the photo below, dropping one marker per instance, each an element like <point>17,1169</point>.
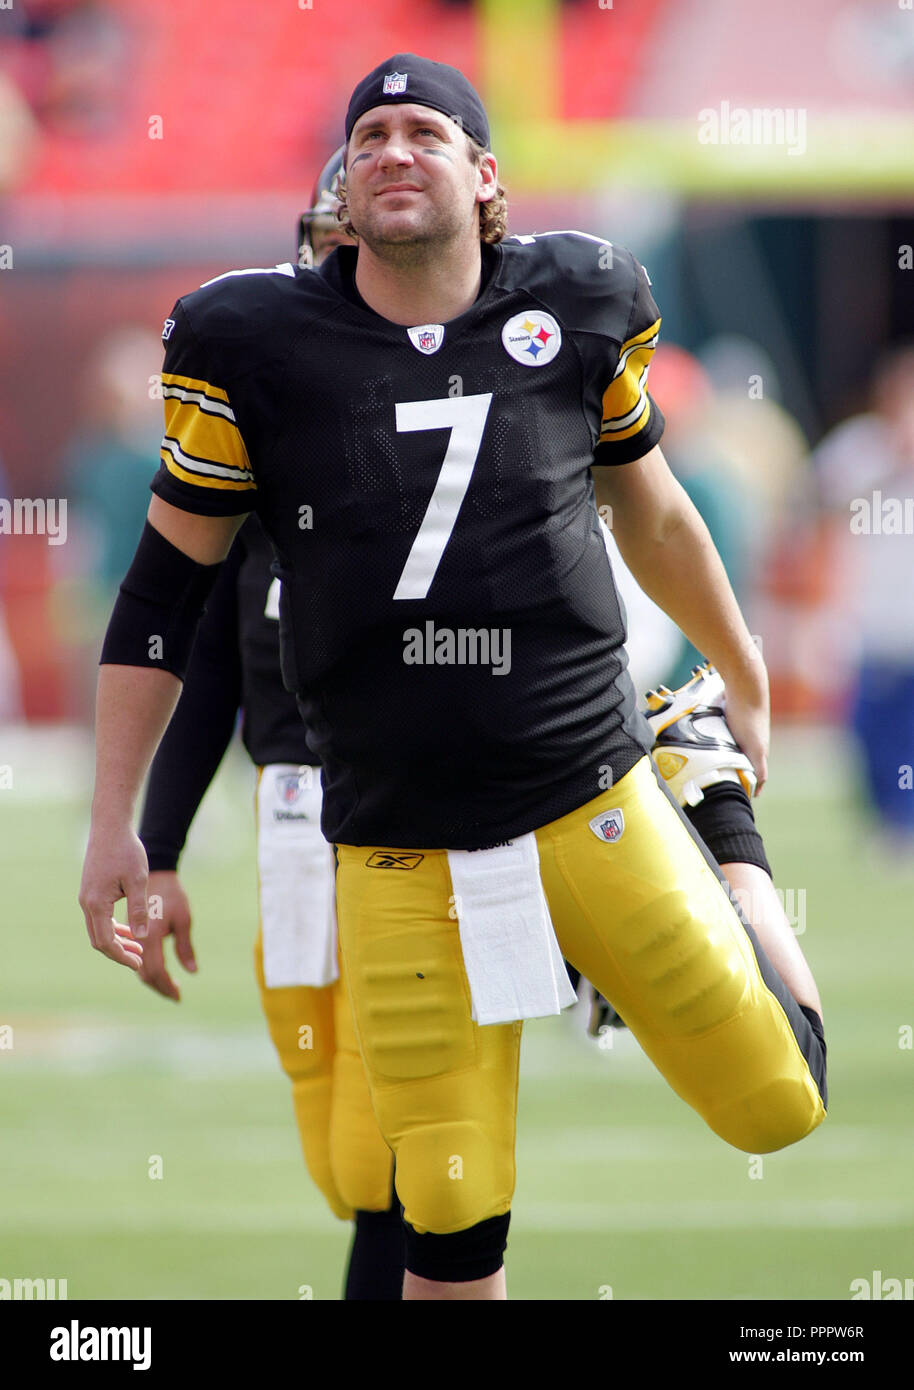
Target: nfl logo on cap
<point>609,825</point>
<point>394,83</point>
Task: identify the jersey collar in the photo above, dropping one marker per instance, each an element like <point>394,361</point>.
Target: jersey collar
<point>338,270</point>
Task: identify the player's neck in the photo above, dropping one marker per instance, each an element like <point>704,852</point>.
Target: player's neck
<point>416,289</point>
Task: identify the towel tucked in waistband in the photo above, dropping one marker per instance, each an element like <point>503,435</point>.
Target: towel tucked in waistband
<point>296,875</point>
<point>512,959</point>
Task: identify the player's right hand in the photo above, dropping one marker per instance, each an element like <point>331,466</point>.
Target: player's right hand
<point>115,867</point>
<point>169,915</point>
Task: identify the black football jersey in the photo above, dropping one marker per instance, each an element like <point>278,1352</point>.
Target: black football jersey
<point>449,619</point>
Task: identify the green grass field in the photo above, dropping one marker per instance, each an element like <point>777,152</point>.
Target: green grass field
<point>619,1185</point>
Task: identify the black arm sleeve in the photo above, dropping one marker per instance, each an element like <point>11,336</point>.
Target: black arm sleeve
<point>201,727</point>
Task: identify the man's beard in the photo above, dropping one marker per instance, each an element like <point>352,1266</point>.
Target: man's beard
<point>416,245</point>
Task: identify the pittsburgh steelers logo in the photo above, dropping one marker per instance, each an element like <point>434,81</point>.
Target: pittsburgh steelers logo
<point>532,338</point>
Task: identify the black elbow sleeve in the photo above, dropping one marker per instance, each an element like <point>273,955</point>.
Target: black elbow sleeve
<point>158,607</point>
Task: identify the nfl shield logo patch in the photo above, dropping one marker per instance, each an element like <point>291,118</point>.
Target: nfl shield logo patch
<point>608,825</point>
<point>427,337</point>
<point>290,787</point>
<point>394,82</point>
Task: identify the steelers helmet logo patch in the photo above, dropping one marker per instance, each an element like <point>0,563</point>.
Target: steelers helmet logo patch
<point>532,338</point>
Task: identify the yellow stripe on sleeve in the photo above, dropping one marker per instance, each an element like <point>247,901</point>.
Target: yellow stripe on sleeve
<point>188,383</point>
<point>202,443</point>
<point>626,407</point>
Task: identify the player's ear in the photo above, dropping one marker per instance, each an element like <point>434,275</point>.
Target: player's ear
<point>486,178</point>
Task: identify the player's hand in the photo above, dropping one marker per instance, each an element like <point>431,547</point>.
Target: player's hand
<point>114,868</point>
<point>169,915</point>
<point>749,718</point>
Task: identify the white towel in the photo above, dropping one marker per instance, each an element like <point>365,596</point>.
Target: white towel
<point>296,875</point>
<point>512,959</point>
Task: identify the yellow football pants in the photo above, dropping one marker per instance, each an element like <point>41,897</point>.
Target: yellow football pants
<point>645,919</point>
<point>314,1036</point>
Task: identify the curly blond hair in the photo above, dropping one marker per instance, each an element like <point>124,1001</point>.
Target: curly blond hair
<point>493,215</point>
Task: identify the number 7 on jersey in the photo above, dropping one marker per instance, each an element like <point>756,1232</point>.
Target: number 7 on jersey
<point>465,417</point>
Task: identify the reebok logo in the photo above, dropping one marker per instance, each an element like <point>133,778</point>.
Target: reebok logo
<point>382,860</point>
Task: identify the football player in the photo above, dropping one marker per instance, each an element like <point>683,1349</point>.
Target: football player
<point>319,230</point>
<point>235,664</point>
<point>415,424</point>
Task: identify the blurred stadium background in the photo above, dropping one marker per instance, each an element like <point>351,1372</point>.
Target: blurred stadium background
<point>144,149</point>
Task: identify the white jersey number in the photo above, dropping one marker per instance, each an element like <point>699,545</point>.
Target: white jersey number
<point>465,417</point>
<point>271,607</point>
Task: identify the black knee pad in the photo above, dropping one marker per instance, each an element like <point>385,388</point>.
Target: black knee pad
<point>457,1258</point>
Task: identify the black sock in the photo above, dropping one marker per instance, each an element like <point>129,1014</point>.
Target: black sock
<point>378,1256</point>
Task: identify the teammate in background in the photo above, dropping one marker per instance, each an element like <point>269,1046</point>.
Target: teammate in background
<point>319,230</point>
<point>411,520</point>
<point>236,665</point>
